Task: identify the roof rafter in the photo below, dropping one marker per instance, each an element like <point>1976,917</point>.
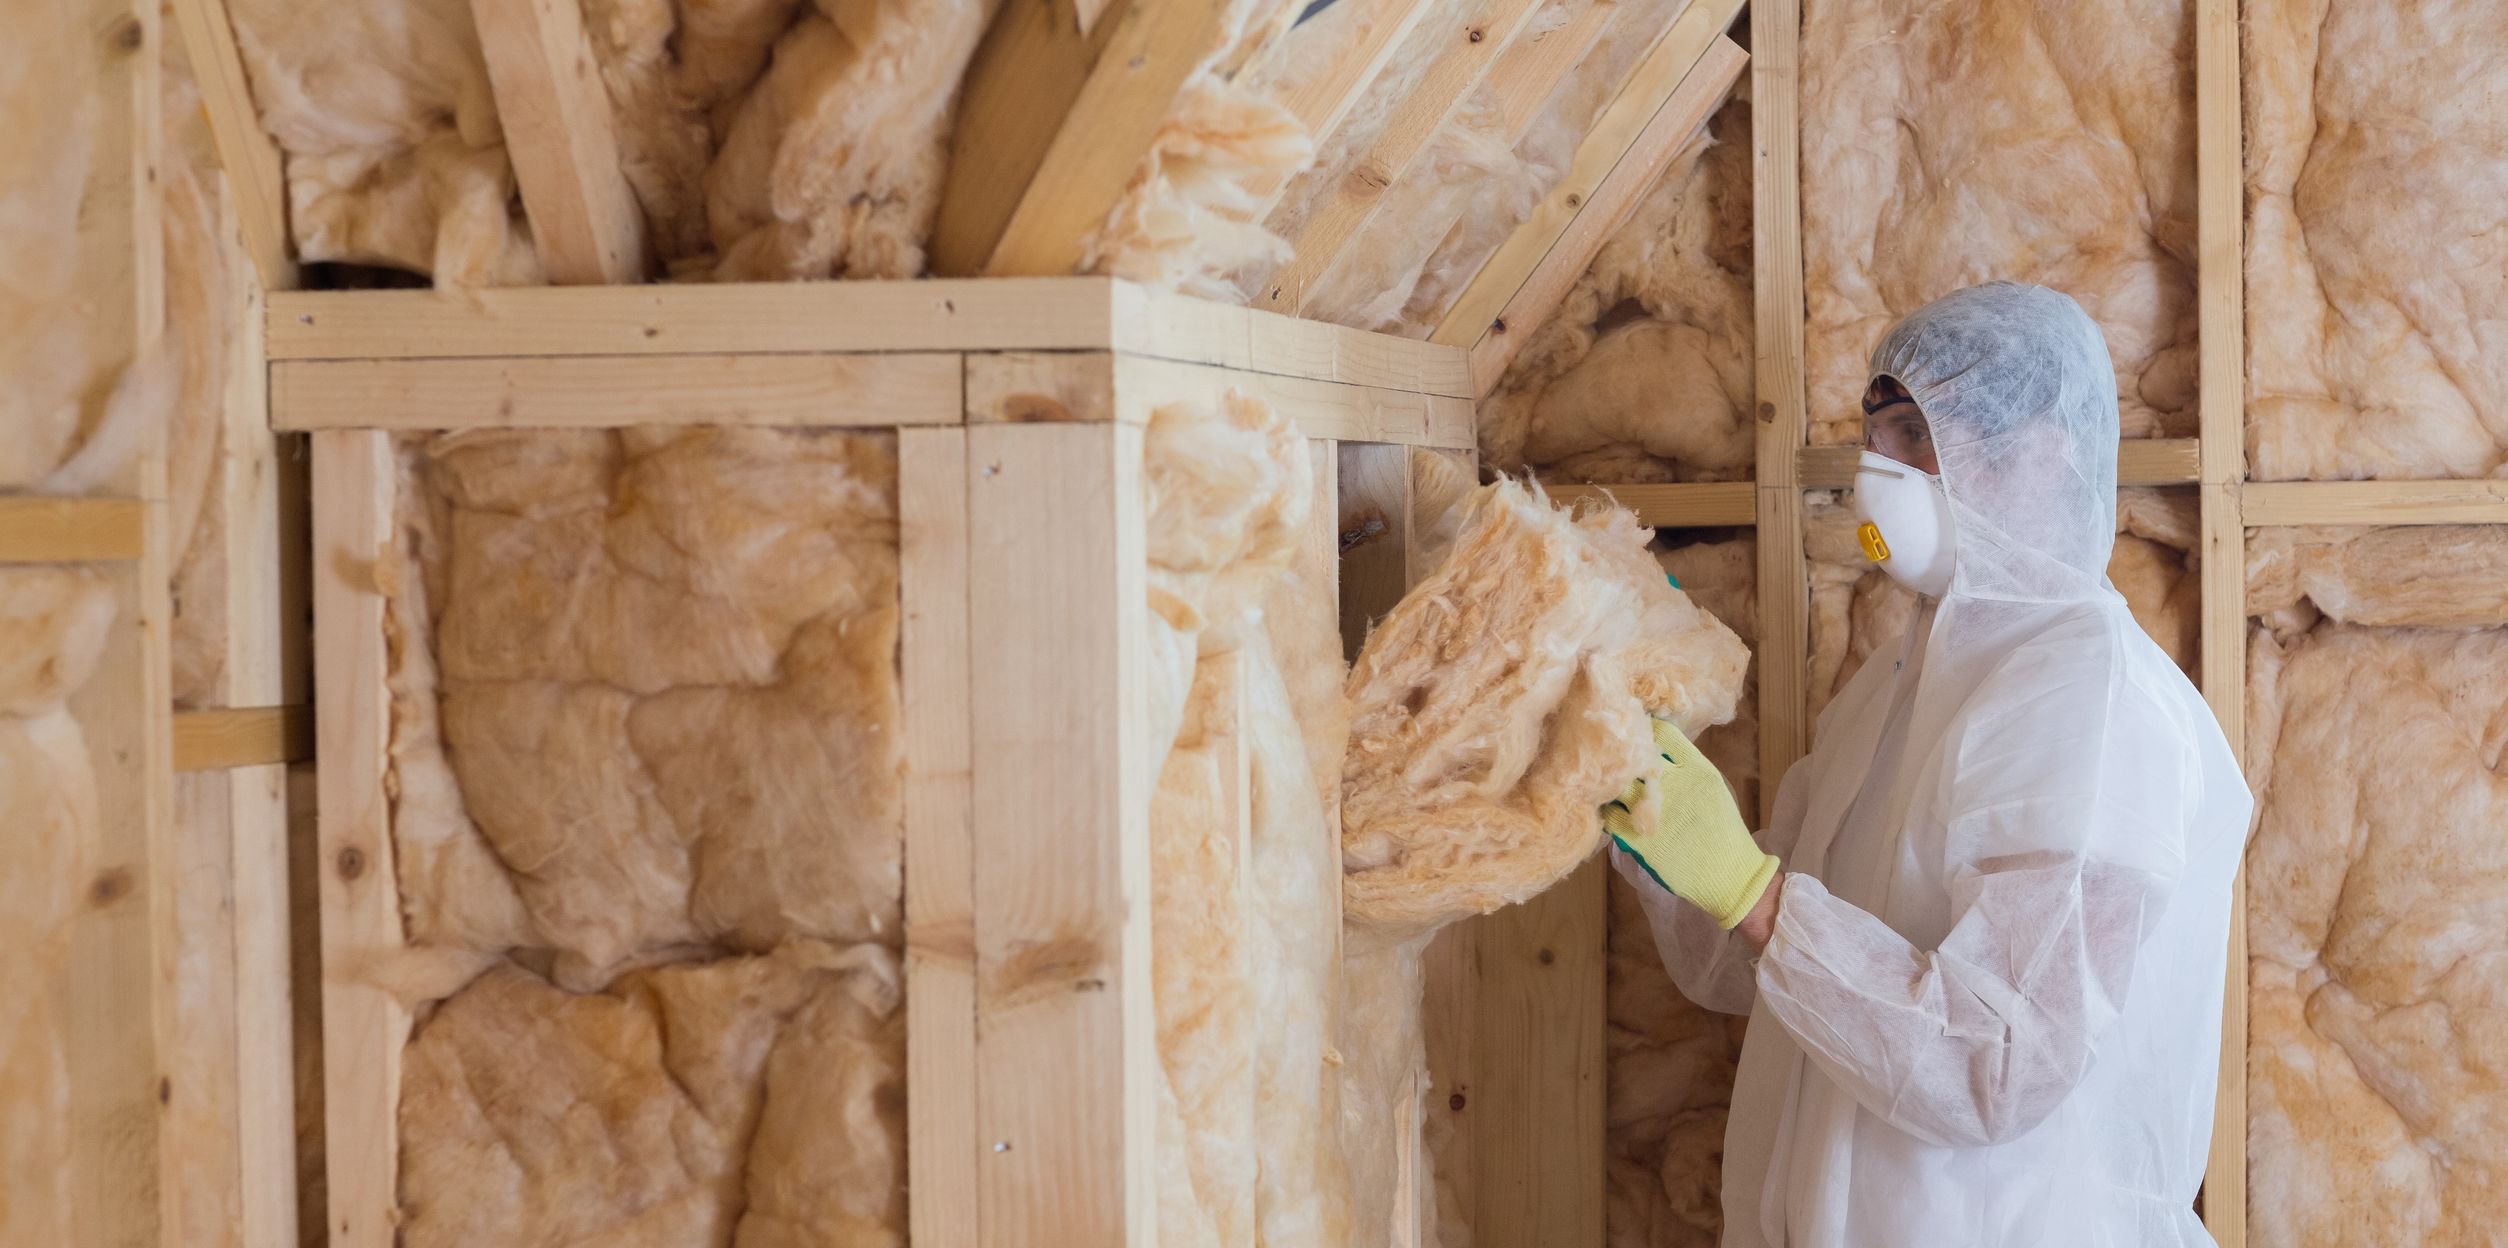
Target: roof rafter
<point>585,221</point>
<point>254,175</point>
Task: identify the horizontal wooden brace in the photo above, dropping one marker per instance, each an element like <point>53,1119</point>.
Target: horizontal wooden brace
<point>829,318</point>
<point>2277,503</point>
<point>1320,409</point>
<point>242,736</point>
<point>51,529</point>
<point>2139,461</point>
<point>797,391</point>
<point>1715,504</point>
<point>1686,505</point>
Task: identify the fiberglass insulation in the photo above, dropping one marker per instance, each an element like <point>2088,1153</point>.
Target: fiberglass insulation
<point>2377,238</point>
<point>1949,142</point>
<point>764,139</point>
<point>644,750</point>
<point>1492,710</point>
<point>2377,886</point>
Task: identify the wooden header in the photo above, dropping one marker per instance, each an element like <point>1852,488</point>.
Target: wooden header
<point>830,318</point>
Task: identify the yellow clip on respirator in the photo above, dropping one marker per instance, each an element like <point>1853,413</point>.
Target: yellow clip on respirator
<point>1906,528</point>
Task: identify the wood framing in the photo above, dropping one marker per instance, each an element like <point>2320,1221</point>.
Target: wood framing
<point>1538,1175</point>
<point>2267,503</point>
<point>1670,94</point>
<point>1322,101</point>
<point>250,158</point>
<point>37,528</point>
<point>1055,115</point>
<point>2220,212</point>
<point>1680,505</point>
<point>1784,643</point>
<point>2139,461</point>
<point>242,736</point>
<point>585,222</point>
<point>1463,46</point>
<point>909,388</point>
<point>363,1026</point>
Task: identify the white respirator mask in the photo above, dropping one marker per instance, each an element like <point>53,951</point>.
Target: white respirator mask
<point>1906,523</point>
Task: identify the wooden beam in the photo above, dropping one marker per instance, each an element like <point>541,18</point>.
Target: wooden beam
<point>1538,1172</point>
<point>1528,74</point>
<point>1776,236</point>
<point>37,528</point>
<point>1321,409</point>
<point>1323,100</point>
<point>363,1025</point>
<point>1464,45</point>
<point>1683,505</point>
<point>1641,129</point>
<point>941,1131</point>
<point>2270,503</point>
<point>1621,129</point>
<point>1054,117</point>
<point>2139,461</point>
<point>820,391</point>
<point>585,222</point>
<point>1040,387</point>
<point>1066,1058</point>
<point>1198,331</point>
<point>1042,314</point>
<point>124,1177</point>
<point>255,180</point>
<point>2220,211</point>
<point>242,736</point>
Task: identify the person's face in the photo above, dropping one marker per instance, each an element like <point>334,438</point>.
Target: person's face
<point>1895,429</point>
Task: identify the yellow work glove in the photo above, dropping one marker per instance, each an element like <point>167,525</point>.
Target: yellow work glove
<point>1697,848</point>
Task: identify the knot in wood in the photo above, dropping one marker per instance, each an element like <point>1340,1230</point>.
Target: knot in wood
<point>110,887</point>
<point>352,863</point>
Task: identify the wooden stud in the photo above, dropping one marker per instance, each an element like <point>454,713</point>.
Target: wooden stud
<point>1066,1058</point>
<point>941,1088</point>
<point>1538,1173</point>
<point>2264,503</point>
<point>791,391</point>
<point>2221,307</point>
<point>242,736</point>
<point>36,528</point>
<point>1777,265</point>
<point>255,181</point>
<point>1054,117</point>
<point>363,1026</point>
<point>1464,46</point>
<point>1627,126</point>
<point>124,1176</point>
<point>1320,409</point>
<point>585,222</point>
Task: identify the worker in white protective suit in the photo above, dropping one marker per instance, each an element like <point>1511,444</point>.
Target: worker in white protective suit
<point>1982,941</point>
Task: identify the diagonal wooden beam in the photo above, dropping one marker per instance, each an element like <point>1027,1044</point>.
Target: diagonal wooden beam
<point>1054,116</point>
<point>1322,102</point>
<point>254,176</point>
<point>1465,46</point>
<point>1664,103</point>
<point>1531,72</point>
<point>558,130</point>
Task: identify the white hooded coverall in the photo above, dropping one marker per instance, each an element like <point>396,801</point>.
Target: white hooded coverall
<point>1990,1010</point>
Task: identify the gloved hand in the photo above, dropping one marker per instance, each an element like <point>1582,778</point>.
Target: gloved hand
<point>1697,848</point>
